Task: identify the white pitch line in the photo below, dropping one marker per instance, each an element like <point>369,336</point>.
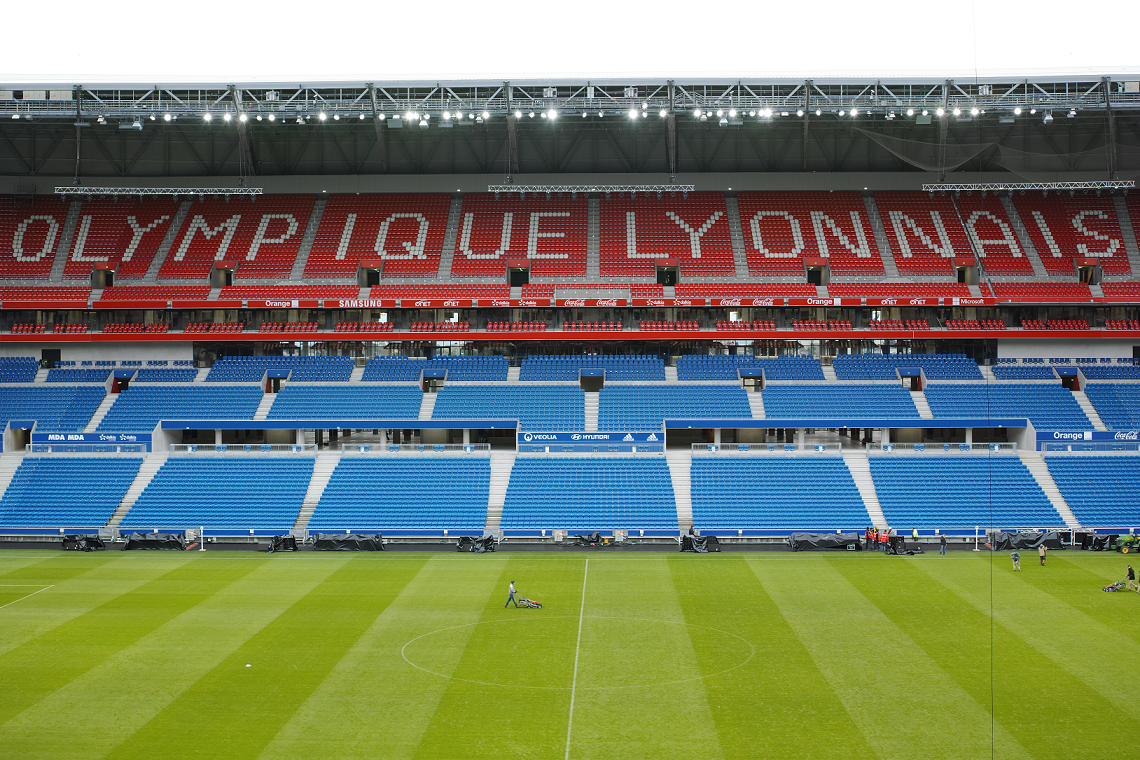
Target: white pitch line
<point>577,649</point>
<point>22,598</point>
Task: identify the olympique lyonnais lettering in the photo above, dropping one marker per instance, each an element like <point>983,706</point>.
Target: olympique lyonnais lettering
<point>48,247</point>
<point>822,226</point>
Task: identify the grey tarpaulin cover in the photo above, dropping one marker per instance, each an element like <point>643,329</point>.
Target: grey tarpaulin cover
<point>476,544</point>
<point>699,544</point>
<point>348,542</point>
<point>171,541</point>
<point>83,542</point>
<point>1026,540</point>
<point>799,542</point>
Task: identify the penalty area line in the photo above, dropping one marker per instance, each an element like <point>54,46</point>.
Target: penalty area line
<point>577,650</point>
<point>23,585</point>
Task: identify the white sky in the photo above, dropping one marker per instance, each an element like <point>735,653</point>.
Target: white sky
<point>216,41</point>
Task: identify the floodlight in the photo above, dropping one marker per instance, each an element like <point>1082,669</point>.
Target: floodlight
<point>800,112</point>
<point>243,118</point>
<point>271,117</point>
<point>166,117</point>
<point>408,116</point>
<point>910,112</point>
<point>518,114</point>
<point>662,113</point>
<point>723,121</point>
<point>1048,119</point>
<point>704,117</point>
<point>645,106</point>
<point>553,114</point>
<point>1072,113</point>
<point>336,117</point>
<point>974,112</point>
<point>447,115</point>
<point>207,116</point>
<point>531,114</point>
<point>226,117</point>
<point>783,113</point>
<point>854,111</point>
<point>633,113</point>
<point>957,111</point>
<point>939,112</point>
<point>842,113</point>
<point>732,113</point>
<point>1032,111</point>
<point>583,114</point>
<point>1017,111</point>
<point>470,116</point>
<point>323,116</point>
<point>152,117</point>
<point>17,116</point>
<point>361,117</point>
<point>696,112</point>
<point>382,117</point>
<point>259,117</point>
<point>925,112</point>
<point>601,114</point>
<point>543,114</point>
<point>719,113</point>
<point>486,115</point>
<point>818,112</point>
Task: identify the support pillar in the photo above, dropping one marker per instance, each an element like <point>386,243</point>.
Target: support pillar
<point>886,435</point>
<point>466,437</point>
<point>716,436</point>
<point>969,436</point>
<point>801,436</point>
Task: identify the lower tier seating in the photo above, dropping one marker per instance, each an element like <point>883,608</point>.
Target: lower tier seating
<point>165,375</point>
<point>568,367</point>
<point>58,409</point>
<point>1023,373</point>
<point>542,407</point>
<point>78,375</point>
<point>459,368</point>
<point>1101,490</point>
<point>644,407</point>
<point>140,407</point>
<point>67,492</point>
<point>882,367</point>
<point>346,402</point>
<point>960,492</point>
<point>775,492</point>
<point>837,401</point>
<point>724,367</point>
<point>383,493</point>
<point>210,492</point>
<point>305,369</point>
<point>1118,404</point>
<point>1050,407</point>
<point>589,493</point>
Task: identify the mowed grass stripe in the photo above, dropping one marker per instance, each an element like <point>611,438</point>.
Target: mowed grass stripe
<point>373,695</point>
<point>520,647</point>
<point>1082,645</point>
<point>634,636</point>
<point>110,702</point>
<point>888,684</point>
<point>244,708</point>
<point>1039,703</point>
<point>48,662</point>
<point>778,698</point>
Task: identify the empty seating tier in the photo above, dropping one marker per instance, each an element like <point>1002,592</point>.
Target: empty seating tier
<point>64,409</point>
<point>1077,291</point>
<point>745,290</point>
<point>1118,404</point>
<point>616,367</point>
<point>991,231</point>
<point>645,407</point>
<point>883,367</point>
<point>346,402</point>
<point>1049,407</point>
<point>271,292</point>
<point>78,375</point>
<point>838,402</point>
<point>724,367</point>
<point>960,492</point>
<point>1111,372</point>
<point>1101,490</point>
<point>924,232</point>
<point>165,375</point>
<point>155,293</point>
<point>436,292</point>
<point>43,292</point>
<point>589,493</point>
<point>1065,227</point>
<point>126,232</point>
<point>775,492</point>
<point>1121,289</point>
<point>398,493</point>
<point>215,492</point>
<point>694,230</point>
<point>140,407</point>
<point>304,369</point>
<point>459,368</point>
<point>18,369</point>
<point>900,290</point>
<point>549,233</point>
<point>542,407</point>
<point>1023,373</point>
<point>67,492</point>
<point>29,236</point>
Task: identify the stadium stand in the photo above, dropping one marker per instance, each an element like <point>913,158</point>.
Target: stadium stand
<point>279,327</point>
<point>439,327</point>
<point>1065,227</point>
<point>542,407</point>
<point>516,326</point>
<point>222,497</point>
<point>373,327</point>
<point>140,407</point>
<point>126,232</point>
<point>398,493</point>
<point>155,292</point>
<point>584,494</point>
<point>1122,324</point>
<point>1111,372</point>
<point>346,402</point>
<point>998,491</point>
<point>75,328</point>
<point>990,230</point>
<point>549,232</point>
<point>165,375</point>
<point>63,409</point>
<point>1023,373</point>
<point>1121,289</point>
<point>644,407</point>
<point>838,401</point>
<point>1046,290</point>
<point>29,235</point>
<point>459,368</point>
<point>744,290</point>
<point>1050,407</point>
<point>446,291</point>
<point>604,326</point>
<point>898,290</point>
<point>302,369</point>
<point>44,293</point>
<point>693,230</point>
<point>27,328</point>
<point>724,367</point>
<point>738,492</point>
<point>883,367</point>
<point>1118,404</point>
<point>215,327</point>
<point>18,369</point>
<point>924,232</point>
<point>616,367</point>
<point>78,375</point>
<point>67,492</point>
<point>743,325</point>
<point>1101,490</point>
<point>269,292</point>
<point>404,230</point>
<point>136,329</point>
<point>652,324</point>
<point>780,229</point>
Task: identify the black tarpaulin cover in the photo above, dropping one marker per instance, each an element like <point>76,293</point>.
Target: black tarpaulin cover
<point>799,542</point>
<point>285,543</point>
<point>476,544</point>
<point>83,542</point>
<point>170,541</point>
<point>1026,540</point>
<point>348,542</point>
<point>592,538</point>
<point>699,544</point>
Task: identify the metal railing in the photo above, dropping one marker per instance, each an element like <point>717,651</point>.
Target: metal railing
<point>86,448</point>
<point>886,449</point>
<point>377,449</point>
<point>1076,448</point>
<point>714,449</point>
<point>225,449</point>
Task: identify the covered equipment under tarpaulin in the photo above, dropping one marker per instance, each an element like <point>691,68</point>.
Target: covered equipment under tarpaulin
<point>699,544</point>
<point>476,544</point>
<point>801,542</point>
<point>168,541</point>
<point>83,542</point>
<point>282,544</point>
<point>348,542</point>
<point>1026,540</point>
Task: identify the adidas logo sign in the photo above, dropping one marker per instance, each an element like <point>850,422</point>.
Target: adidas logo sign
<point>652,437</point>
<point>628,437</point>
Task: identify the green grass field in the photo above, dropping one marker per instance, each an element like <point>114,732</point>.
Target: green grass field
<point>635,655</point>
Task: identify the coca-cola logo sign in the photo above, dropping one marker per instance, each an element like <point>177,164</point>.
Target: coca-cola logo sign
<point>575,302</point>
<point>763,302</point>
<point>607,302</point>
<point>729,302</point>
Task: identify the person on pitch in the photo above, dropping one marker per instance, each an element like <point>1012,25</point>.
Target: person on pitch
<point>1016,557</point>
<point>942,543</point>
<point>1132,579</point>
<point>1041,553</point>
<point>511,596</point>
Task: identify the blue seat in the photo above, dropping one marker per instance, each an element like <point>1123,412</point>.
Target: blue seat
<point>644,407</point>
<point>1101,490</point>
<point>62,492</point>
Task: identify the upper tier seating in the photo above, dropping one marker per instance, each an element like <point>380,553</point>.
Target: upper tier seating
<point>78,375</point>
<point>532,290</point>
<point>1051,290</point>
<point>135,329</point>
<point>882,367</point>
<point>383,493</point>
<point>1118,404</point>
<point>140,407</point>
<point>960,491</point>
<point>44,292</point>
<point>67,492</point>
<point>65,409</point>
<point>724,367</point>
<point>18,369</point>
<point>590,493</point>
<point>262,235</point>
<point>992,233</point>
<point>366,327</point>
<point>346,402</point>
<point>616,367</point>
<point>541,407</point>
<point>775,492</point>
<point>405,230</point>
<point>924,232</point>
<point>1121,289</point>
<point>437,292</point>
<point>1111,372</point>
<point>1049,407</point>
<point>1101,490</point>
<point>288,327</point>
<point>29,235</point>
<point>645,407</point>
<point>302,369</point>
<point>693,230</point>
<point>459,368</point>
<point>126,231</point>
<point>781,228</point>
<point>550,233</point>
<point>155,292</point>
<point>166,375</point>
<point>744,290</point>
<point>1065,227</point>
<point>215,493</point>
<point>1023,373</point>
<point>30,328</point>
<point>900,290</point>
<point>838,401</point>
<point>281,292</point>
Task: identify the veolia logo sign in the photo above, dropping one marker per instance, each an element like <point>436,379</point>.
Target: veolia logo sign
<point>567,437</point>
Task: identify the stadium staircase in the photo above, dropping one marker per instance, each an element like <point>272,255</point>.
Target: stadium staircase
<point>264,406</point>
<point>298,271</point>
<point>756,404</point>
<point>829,374</point>
<point>63,248</point>
<point>680,465</point>
<point>1087,407</point>
<point>100,413</point>
<point>1035,463</point>
<point>975,291</point>
<point>1097,291</point>
<point>323,468</point>
<point>987,373</point>
<point>9,463</point>
<point>1127,233</point>
<point>671,374</point>
<point>513,374</point>
<point>593,238</point>
<point>502,462</point>
<point>591,408</point>
<point>41,375</point>
<point>739,254</point>
<point>890,268</point>
<point>427,405</point>
<point>516,292</point>
<point>450,235</point>
<point>201,376</point>
<point>1023,238</point>
<point>150,466</point>
<point>167,241</point>
<point>922,405</point>
<point>860,467</point>
<point>357,374</point>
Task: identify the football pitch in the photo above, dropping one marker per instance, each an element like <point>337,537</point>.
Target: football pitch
<point>633,655</point>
